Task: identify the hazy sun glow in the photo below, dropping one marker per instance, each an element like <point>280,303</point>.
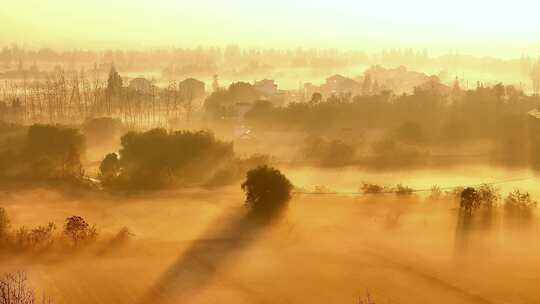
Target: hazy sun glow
<point>489,27</point>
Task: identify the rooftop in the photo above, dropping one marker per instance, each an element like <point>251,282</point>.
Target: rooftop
<point>535,113</point>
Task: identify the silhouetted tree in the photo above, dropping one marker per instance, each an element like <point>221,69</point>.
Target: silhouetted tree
<point>156,159</point>
<point>189,90</point>
<point>4,222</point>
<point>221,103</point>
<point>267,190</point>
<point>114,82</point>
<point>109,167</point>
<point>54,152</point>
<point>102,129</point>
<point>519,204</point>
<point>469,200</point>
<point>14,289</point>
<point>79,230</point>
<point>316,98</point>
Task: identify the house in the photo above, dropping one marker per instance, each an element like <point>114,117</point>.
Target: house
<point>334,85</point>
<point>266,86</point>
<point>338,84</point>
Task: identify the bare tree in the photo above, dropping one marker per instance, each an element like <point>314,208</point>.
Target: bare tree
<point>14,289</point>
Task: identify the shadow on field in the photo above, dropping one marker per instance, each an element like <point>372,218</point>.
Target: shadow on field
<point>204,258</point>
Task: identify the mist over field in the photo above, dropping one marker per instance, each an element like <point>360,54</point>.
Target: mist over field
<point>285,152</point>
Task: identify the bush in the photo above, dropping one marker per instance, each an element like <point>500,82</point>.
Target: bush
<point>403,190</point>
<point>409,133</point>
<point>109,168</point>
<point>4,222</point>
<point>102,129</point>
<point>49,152</point>
<point>519,204</point>
<point>122,237</point>
<point>389,152</point>
<point>237,169</point>
<point>321,189</point>
<point>367,299</point>
<point>53,141</point>
<point>158,159</point>
<point>368,188</point>
<point>471,199</point>
<point>328,152</point>
<point>435,193</point>
<point>76,234</point>
<point>488,196</point>
<point>267,190</point>
<point>54,152</point>
<point>39,237</point>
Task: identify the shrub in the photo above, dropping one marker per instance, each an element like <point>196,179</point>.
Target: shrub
<point>53,141</point>
<point>368,188</point>
<point>472,199</point>
<point>389,152</point>
<point>109,168</point>
<point>519,204</point>
<point>102,129</point>
<point>409,133</point>
<point>156,159</point>
<point>435,193</point>
<point>54,152</point>
<point>4,222</point>
<point>321,189</point>
<point>455,193</point>
<point>328,152</point>
<point>488,195</point>
<point>38,237</point>
<point>367,299</point>
<point>122,237</point>
<point>267,190</point>
<point>403,190</point>
<point>237,169</point>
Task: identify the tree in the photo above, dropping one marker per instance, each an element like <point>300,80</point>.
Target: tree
<point>469,200</point>
<point>109,167</point>
<point>4,222</point>
<point>488,196</point>
<point>54,152</point>
<point>79,230</point>
<point>102,129</point>
<point>519,204</point>
<point>157,159</point>
<point>316,98</point>
<point>267,190</point>
<point>328,152</point>
<point>14,289</point>
<point>190,89</point>
<point>114,82</point>
<point>410,133</point>
<point>72,167</point>
<point>215,83</point>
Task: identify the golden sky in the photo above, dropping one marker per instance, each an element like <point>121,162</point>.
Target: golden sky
<point>498,28</point>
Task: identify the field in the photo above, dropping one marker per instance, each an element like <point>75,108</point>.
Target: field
<point>195,245</point>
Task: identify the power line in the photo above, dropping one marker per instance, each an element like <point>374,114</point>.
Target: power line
<point>412,190</point>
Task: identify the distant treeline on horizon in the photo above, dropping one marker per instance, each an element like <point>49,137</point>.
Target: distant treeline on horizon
<point>13,56</point>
